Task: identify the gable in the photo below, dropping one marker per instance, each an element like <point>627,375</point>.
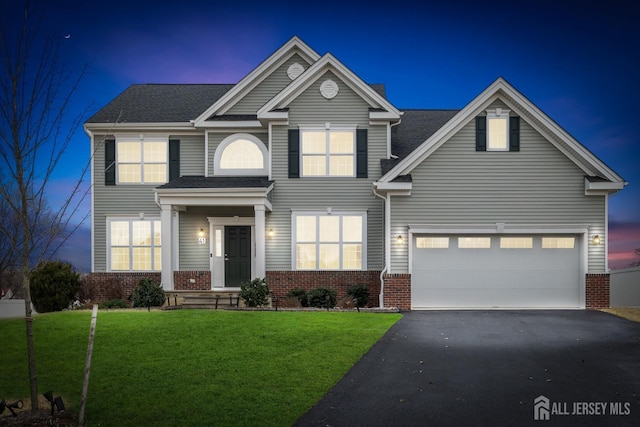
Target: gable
<point>273,83</point>
<point>380,108</point>
<point>294,46</point>
<point>501,91</point>
<point>346,107</point>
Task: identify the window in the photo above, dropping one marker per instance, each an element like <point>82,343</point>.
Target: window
<point>432,242</point>
<point>241,154</point>
<point>134,245</point>
<point>141,160</point>
<point>497,131</point>
<point>474,242</point>
<point>327,152</point>
<point>558,242</point>
<point>516,242</point>
<point>329,242</point>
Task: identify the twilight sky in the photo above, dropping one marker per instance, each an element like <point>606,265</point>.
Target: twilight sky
<point>576,60</point>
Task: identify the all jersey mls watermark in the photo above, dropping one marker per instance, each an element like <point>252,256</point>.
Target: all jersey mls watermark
<point>544,408</point>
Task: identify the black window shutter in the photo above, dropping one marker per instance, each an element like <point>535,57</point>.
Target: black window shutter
<point>514,133</point>
<point>110,162</point>
<point>294,153</point>
<point>174,159</point>
<point>361,153</point>
<point>481,133</point>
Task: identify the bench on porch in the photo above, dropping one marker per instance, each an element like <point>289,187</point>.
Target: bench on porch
<point>201,299</point>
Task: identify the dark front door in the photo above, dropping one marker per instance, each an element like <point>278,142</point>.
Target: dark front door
<point>237,259</point>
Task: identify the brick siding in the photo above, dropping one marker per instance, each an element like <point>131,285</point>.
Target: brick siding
<point>597,291</point>
<point>281,282</point>
<point>101,287</point>
<point>191,280</point>
<point>397,291</point>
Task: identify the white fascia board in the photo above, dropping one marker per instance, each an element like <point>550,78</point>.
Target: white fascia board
<point>274,115</point>
<point>313,73</point>
<point>598,188</point>
<point>231,124</point>
<point>215,197</point>
<point>393,186</point>
<point>384,116</point>
<point>160,126</point>
<point>253,78</point>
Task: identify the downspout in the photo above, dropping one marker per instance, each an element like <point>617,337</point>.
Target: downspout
<point>92,166</point>
<point>387,221</point>
<point>387,249</point>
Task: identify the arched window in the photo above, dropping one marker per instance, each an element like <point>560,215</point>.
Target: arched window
<point>241,154</point>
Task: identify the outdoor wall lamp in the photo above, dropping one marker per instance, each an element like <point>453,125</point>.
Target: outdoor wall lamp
<point>596,240</point>
<point>270,233</point>
<point>399,239</point>
<point>201,233</point>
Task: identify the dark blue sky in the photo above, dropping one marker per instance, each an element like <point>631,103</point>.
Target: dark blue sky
<point>576,60</point>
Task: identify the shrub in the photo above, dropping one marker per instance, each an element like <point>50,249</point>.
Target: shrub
<point>255,293</point>
<point>300,295</point>
<point>360,293</point>
<point>322,297</point>
<point>148,293</point>
<point>114,303</point>
<point>54,285</point>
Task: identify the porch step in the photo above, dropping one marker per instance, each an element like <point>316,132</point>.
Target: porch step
<point>203,299</point>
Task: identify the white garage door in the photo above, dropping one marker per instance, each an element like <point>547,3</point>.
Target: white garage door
<point>495,272</point>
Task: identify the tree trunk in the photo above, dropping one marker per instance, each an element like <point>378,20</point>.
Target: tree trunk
<point>31,353</point>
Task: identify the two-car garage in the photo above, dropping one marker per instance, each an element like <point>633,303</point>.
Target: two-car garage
<point>496,271</point>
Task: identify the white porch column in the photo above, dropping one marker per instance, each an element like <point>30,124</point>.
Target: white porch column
<point>260,237</point>
<point>166,224</point>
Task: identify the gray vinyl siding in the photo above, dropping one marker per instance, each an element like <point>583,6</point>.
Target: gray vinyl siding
<point>537,185</point>
<point>215,138</point>
<point>267,89</point>
<point>191,155</point>
<point>340,194</point>
<point>194,256</point>
<point>117,200</point>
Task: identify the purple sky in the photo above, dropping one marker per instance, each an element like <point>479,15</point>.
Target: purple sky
<point>575,60</point>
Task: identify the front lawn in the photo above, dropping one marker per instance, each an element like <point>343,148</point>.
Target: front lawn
<point>190,367</point>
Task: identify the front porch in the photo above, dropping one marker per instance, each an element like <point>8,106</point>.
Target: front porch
<point>216,226</point>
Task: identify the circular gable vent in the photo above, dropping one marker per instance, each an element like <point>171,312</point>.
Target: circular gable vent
<point>294,70</point>
<point>329,89</point>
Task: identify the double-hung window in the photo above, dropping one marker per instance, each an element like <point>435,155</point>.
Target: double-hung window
<point>142,160</point>
<point>134,245</point>
<point>329,241</point>
<point>328,152</point>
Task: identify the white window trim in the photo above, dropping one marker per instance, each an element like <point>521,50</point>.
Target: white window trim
<point>328,212</point>
<point>141,138</point>
<point>498,113</point>
<point>327,129</point>
<point>129,219</point>
<point>218,171</point>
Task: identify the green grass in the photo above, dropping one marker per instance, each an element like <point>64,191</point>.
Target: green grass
<point>190,367</point>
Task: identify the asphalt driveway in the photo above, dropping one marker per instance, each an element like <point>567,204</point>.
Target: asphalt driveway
<point>485,368</point>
